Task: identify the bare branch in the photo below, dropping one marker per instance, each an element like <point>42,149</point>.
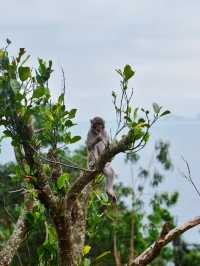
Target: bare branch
<point>166,236</point>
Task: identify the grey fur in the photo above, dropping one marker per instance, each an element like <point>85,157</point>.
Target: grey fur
<point>96,144</point>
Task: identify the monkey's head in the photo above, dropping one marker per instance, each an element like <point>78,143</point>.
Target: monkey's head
<point>97,124</point>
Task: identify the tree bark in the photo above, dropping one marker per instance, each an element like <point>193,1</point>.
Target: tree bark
<point>15,240</point>
<point>65,242</point>
<point>79,215</point>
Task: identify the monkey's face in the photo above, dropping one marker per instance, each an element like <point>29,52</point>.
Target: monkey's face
<point>98,127</point>
<point>97,124</point>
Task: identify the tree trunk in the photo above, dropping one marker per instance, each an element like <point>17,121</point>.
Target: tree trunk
<point>64,234</point>
<point>79,223</point>
<point>78,230</point>
<point>71,230</point>
<point>71,238</point>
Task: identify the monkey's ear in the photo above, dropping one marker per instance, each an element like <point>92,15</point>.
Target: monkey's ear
<point>91,121</point>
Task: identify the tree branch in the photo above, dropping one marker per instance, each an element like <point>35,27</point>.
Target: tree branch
<point>153,251</point>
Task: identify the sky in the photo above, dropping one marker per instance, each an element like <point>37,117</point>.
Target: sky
<point>92,38</point>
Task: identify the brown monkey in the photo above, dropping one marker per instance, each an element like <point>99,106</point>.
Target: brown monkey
<point>97,141</point>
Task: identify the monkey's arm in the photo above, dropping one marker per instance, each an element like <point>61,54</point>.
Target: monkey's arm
<point>92,140</point>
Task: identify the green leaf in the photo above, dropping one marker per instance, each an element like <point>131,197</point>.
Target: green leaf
<point>86,250</point>
<point>4,60</point>
<point>146,137</point>
<point>141,121</point>
<point>67,137</point>
<point>156,108</point>
<point>138,133</point>
<point>24,73</point>
<point>2,53</point>
<point>165,113</point>
<point>49,116</point>
<point>42,66</point>
<point>72,113</point>
<point>40,91</point>
<point>61,98</point>
<point>128,119</point>
<point>75,139</point>
<point>114,94</point>
<point>62,180</point>
<point>104,198</point>
<point>7,133</point>
<point>128,72</point>
<point>69,123</point>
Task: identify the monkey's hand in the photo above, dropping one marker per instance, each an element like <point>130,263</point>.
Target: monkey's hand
<point>98,139</point>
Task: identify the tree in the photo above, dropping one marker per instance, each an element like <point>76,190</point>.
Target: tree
<point>35,125</point>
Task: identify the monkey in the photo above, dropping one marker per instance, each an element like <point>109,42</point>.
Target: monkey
<point>97,141</point>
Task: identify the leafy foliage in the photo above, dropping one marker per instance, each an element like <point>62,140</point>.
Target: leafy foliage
<point>138,120</point>
<point>25,96</point>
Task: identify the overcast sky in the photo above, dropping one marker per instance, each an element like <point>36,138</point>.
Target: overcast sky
<point>91,38</point>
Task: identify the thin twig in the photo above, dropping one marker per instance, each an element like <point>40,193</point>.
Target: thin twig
<point>66,165</point>
<point>189,177</point>
<point>60,163</point>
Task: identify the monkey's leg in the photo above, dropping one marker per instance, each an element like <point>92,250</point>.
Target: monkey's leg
<point>110,176</point>
<point>93,158</point>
